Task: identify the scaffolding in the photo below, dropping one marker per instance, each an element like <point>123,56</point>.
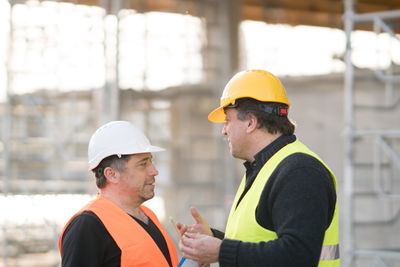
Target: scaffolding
<point>372,148</point>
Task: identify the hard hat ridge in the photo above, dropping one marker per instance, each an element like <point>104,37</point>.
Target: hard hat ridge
<point>117,138</point>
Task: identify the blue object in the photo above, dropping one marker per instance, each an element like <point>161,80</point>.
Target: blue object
<point>181,262</point>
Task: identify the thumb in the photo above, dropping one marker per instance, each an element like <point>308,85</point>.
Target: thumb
<point>196,215</point>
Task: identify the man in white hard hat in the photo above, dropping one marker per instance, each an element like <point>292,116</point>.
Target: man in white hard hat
<point>115,229</point>
<point>284,212</point>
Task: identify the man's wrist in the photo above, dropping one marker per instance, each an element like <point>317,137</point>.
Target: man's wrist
<point>218,234</point>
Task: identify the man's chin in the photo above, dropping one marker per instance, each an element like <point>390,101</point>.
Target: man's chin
<point>148,197</point>
<point>237,156</point>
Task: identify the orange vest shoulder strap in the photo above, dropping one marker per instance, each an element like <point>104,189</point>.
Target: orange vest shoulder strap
<point>170,244</point>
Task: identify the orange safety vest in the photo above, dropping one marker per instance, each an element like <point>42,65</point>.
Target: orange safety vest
<point>137,246</point>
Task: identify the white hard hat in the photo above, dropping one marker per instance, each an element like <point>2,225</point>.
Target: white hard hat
<point>117,138</point>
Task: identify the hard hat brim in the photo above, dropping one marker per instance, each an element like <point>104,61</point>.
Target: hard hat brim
<point>217,115</point>
<point>155,149</point>
<point>150,149</point>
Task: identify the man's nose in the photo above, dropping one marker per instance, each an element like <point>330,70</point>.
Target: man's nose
<point>153,170</point>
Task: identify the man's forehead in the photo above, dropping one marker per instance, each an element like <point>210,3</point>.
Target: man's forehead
<point>142,156</point>
<point>230,111</point>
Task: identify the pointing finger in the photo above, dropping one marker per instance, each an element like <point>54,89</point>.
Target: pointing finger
<point>196,215</point>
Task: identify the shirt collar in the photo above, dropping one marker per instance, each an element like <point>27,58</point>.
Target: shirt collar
<point>267,152</point>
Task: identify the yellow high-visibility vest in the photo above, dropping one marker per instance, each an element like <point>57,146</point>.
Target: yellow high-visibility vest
<point>242,224</point>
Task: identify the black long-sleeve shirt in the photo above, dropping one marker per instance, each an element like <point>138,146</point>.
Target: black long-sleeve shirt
<point>297,202</point>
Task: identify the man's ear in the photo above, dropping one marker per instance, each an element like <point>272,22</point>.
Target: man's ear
<point>111,175</point>
<point>251,123</point>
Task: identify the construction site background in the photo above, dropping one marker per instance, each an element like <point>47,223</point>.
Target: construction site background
<point>164,72</point>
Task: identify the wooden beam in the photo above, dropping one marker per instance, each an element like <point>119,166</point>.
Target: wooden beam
<point>311,12</point>
<point>334,6</point>
<point>389,4</point>
<point>325,13</point>
<point>367,7</point>
<point>328,6</point>
<point>84,2</point>
<point>292,17</point>
<point>153,5</point>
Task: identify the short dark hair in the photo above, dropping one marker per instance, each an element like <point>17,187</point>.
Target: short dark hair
<point>114,162</point>
<point>273,123</point>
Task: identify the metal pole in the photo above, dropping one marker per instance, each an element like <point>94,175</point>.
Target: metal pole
<point>109,96</point>
<point>7,110</point>
<point>349,128</point>
<point>391,14</point>
<point>379,132</point>
<point>115,87</point>
<point>6,133</point>
<point>228,29</point>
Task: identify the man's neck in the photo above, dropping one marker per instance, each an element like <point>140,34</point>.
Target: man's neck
<point>130,207</point>
<point>259,141</point>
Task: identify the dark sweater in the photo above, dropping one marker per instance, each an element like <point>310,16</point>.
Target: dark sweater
<point>297,202</point>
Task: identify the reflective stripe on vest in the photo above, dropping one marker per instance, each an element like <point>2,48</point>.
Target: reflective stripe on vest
<point>242,224</point>
<point>329,252</point>
<point>137,246</point>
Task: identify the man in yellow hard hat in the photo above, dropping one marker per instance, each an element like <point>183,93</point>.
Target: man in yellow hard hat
<point>115,229</point>
<point>285,209</point>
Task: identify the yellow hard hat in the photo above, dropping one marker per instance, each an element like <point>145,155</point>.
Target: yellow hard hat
<point>258,84</point>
